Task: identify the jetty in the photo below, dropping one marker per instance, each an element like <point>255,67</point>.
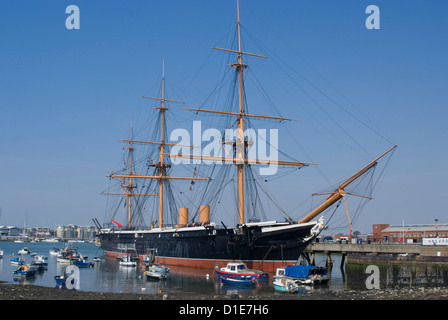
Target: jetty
<point>400,252</point>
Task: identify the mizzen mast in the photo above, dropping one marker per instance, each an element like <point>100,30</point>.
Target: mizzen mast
<point>129,187</point>
<point>161,166</point>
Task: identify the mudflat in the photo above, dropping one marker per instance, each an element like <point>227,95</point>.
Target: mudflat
<point>29,292</point>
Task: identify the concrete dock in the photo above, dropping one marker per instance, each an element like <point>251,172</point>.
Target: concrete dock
<point>404,251</point>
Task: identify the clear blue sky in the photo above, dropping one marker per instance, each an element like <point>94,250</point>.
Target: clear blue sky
<point>67,95</point>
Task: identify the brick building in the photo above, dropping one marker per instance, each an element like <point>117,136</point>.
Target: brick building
<point>407,234</point>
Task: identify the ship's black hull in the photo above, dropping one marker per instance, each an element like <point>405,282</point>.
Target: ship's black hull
<point>258,246</point>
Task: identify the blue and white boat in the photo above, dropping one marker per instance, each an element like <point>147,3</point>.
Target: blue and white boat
<point>239,270</point>
<point>17,261</point>
<point>61,280</point>
<point>290,278</point>
<point>82,263</point>
<point>40,262</point>
<point>25,270</point>
<point>247,282</point>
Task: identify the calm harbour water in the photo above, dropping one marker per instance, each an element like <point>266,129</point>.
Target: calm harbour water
<point>108,276</point>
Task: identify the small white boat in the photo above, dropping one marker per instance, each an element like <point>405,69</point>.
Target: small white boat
<point>17,261</point>
<point>1,253</point>
<point>98,259</point>
<point>157,271</point>
<point>24,251</point>
<point>293,278</point>
<point>285,285</point>
<point>63,260</point>
<point>54,252</point>
<point>40,262</point>
<point>126,261</point>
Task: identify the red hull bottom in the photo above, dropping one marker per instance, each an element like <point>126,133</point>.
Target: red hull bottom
<point>266,265</point>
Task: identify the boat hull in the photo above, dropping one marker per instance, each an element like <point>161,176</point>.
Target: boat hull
<point>238,282</point>
<point>264,247</point>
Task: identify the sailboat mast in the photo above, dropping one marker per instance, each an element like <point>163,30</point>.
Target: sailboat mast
<point>240,128</point>
<point>130,186</point>
<point>161,166</point>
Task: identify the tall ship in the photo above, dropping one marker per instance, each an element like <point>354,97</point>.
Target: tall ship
<point>148,189</point>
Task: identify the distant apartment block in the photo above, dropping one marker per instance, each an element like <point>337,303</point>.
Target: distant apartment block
<point>74,232</point>
<point>9,231</point>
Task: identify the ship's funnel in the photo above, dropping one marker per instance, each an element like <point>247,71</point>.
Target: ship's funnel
<point>183,216</point>
<point>204,214</point>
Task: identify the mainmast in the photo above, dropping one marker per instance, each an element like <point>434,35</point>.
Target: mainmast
<point>240,158</point>
<point>161,168</point>
<point>240,126</point>
<point>130,187</point>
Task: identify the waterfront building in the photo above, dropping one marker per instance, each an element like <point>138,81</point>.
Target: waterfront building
<point>73,232</point>
<point>9,231</point>
<point>408,234</point>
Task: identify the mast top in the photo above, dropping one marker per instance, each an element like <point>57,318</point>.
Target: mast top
<point>239,51</point>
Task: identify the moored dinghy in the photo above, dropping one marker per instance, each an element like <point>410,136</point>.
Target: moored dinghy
<point>40,262</point>
<point>247,282</point>
<point>126,261</point>
<point>25,270</point>
<point>17,261</point>
<point>157,271</point>
<point>289,278</point>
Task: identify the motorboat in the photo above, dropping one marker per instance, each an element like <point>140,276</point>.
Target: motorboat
<point>82,263</point>
<point>126,261</point>
<point>157,271</point>
<point>17,261</point>
<point>292,278</point>
<point>54,251</point>
<point>24,251</point>
<point>25,270</point>
<point>40,262</point>
<point>61,280</point>
<point>240,270</point>
<point>98,259</point>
